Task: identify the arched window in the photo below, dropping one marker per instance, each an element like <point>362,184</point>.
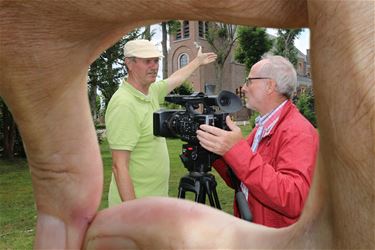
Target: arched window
<point>183,60</point>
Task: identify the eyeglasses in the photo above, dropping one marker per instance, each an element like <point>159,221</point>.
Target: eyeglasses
<point>249,79</point>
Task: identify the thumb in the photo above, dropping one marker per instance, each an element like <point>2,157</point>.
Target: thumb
<point>200,50</point>
<point>231,124</point>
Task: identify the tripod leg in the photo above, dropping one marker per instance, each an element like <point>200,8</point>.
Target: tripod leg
<point>181,193</point>
<point>216,198</point>
<point>210,185</point>
<point>207,185</point>
<point>200,195</point>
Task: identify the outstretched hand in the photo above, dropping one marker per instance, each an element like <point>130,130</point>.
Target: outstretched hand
<point>217,140</point>
<point>178,77</point>
<point>205,58</point>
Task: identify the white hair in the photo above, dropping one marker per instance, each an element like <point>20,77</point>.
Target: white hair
<point>283,72</point>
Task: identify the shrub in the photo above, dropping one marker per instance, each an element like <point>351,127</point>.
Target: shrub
<point>185,89</point>
<point>254,115</point>
<point>305,103</point>
<point>99,126</point>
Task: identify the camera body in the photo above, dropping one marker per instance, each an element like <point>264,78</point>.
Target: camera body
<point>183,124</point>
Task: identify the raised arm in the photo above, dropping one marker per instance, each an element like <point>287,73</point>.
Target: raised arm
<point>178,77</point>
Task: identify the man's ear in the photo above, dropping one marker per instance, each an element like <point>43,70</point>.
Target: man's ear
<point>128,62</point>
<point>271,86</point>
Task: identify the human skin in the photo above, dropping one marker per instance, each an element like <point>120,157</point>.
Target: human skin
<point>46,48</point>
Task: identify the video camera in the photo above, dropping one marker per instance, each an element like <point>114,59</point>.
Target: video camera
<point>183,124</point>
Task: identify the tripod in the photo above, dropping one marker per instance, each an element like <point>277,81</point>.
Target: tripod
<point>201,184</point>
<point>198,161</point>
<point>198,181</point>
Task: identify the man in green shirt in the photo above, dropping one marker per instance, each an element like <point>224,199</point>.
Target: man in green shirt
<point>140,159</point>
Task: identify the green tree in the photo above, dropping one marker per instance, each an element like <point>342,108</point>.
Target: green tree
<point>285,44</point>
<point>8,132</point>
<point>185,89</point>
<point>147,33</point>
<point>221,38</point>
<point>169,27</point>
<point>10,139</point>
<point>107,71</point>
<point>305,103</point>
<point>252,44</point>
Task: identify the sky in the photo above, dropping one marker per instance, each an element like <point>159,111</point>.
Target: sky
<point>302,43</point>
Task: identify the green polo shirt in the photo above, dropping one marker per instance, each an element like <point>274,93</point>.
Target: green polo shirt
<point>129,124</point>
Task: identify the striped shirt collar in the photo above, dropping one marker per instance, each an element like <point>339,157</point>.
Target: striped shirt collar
<point>261,120</point>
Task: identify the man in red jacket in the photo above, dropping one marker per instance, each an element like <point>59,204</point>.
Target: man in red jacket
<point>275,164</point>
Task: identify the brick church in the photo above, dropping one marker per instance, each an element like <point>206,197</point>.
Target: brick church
<point>183,48</point>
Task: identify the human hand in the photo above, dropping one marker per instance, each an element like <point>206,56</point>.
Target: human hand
<point>169,223</point>
<point>65,160</point>
<point>217,140</point>
<point>205,58</point>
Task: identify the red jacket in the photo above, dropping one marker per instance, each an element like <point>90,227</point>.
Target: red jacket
<point>279,174</point>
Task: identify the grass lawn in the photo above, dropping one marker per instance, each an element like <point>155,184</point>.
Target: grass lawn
<point>17,208</point>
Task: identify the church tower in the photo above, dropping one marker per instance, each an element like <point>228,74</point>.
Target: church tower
<point>183,49</point>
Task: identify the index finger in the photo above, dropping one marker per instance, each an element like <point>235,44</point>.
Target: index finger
<point>211,129</point>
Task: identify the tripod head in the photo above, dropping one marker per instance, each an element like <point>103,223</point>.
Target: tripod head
<point>197,159</point>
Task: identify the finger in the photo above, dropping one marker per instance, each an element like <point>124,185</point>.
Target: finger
<point>231,124</point>
<point>211,129</point>
<point>206,137</point>
<point>208,144</point>
<point>165,223</point>
<point>212,56</point>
